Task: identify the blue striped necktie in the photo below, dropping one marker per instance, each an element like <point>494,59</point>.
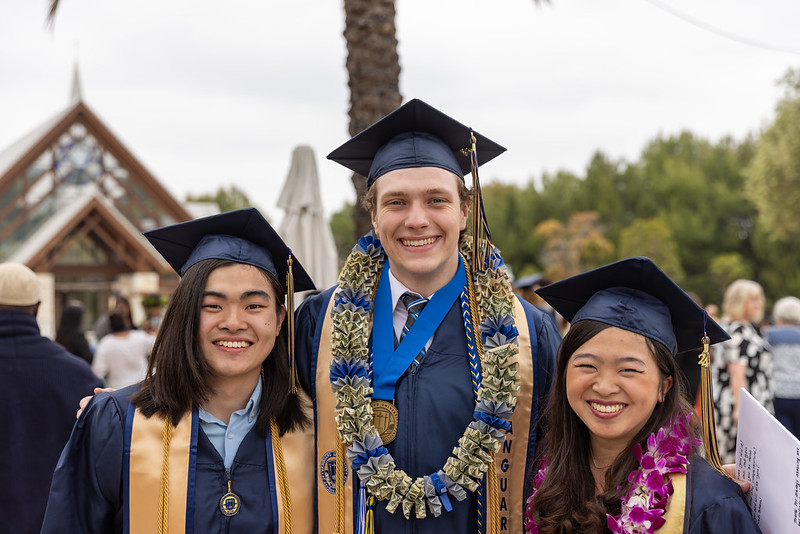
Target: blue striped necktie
<point>414,304</point>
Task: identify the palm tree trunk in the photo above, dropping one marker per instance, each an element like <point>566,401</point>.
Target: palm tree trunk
<point>373,69</point>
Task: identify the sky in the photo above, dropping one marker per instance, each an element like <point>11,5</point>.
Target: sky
<point>210,94</point>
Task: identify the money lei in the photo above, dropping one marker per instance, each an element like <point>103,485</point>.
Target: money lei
<point>350,381</point>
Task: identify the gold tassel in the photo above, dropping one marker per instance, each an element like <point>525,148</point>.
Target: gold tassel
<point>707,409</point>
<point>290,319</point>
<point>481,237</point>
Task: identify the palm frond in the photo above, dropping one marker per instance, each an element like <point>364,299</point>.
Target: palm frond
<point>51,13</point>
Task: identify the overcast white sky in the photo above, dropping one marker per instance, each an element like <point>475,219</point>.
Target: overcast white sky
<point>217,93</point>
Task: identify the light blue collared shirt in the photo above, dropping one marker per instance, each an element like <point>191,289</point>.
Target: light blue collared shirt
<point>227,438</point>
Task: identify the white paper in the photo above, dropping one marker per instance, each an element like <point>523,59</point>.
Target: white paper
<point>768,456</point>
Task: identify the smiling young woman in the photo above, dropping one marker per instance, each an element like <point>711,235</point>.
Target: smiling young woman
<point>620,454</point>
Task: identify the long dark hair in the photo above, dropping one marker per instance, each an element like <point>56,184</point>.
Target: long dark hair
<point>177,374</point>
<point>566,501</point>
<point>70,334</point>
<point>70,322</point>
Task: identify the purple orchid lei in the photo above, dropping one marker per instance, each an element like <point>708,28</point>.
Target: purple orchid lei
<point>646,500</point>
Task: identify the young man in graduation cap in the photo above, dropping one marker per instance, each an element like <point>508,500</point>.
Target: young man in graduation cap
<point>426,371</point>
<point>215,438</point>
<point>621,452</point>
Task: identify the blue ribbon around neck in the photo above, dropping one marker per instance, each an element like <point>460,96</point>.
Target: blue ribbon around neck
<point>388,363</point>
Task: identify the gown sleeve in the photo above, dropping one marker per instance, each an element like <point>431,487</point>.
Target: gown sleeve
<point>548,338</point>
<point>86,492</point>
<point>308,321</point>
<point>716,504</point>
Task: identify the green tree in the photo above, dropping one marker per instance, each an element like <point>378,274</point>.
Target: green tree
<point>773,177</point>
<point>654,239</point>
<point>724,269</point>
<point>575,247</point>
<point>513,212</point>
<point>695,187</point>
<point>613,190</point>
<point>342,228</point>
<point>231,198</point>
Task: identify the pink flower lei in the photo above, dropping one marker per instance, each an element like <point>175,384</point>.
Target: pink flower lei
<point>649,491</point>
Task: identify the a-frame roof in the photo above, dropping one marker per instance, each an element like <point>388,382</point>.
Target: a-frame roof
<point>89,228</point>
<point>42,172</point>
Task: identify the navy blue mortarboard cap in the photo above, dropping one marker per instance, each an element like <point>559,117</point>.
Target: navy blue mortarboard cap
<point>414,135</point>
<point>529,281</point>
<point>243,236</point>
<point>635,295</point>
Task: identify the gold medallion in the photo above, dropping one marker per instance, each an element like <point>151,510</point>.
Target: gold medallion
<point>229,504</point>
<point>384,419</point>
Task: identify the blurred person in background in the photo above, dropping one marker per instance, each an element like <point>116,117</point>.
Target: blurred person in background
<point>70,333</point>
<point>744,361</point>
<point>40,384</point>
<point>784,340</point>
<point>526,286</point>
<point>123,306</point>
<point>153,305</point>
<point>121,356</point>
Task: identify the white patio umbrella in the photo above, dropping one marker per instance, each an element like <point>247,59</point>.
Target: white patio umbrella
<point>304,227</point>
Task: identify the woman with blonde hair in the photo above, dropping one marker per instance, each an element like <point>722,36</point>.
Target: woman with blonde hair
<point>744,361</point>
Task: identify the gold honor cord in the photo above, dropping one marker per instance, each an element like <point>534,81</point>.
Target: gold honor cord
<point>163,497</point>
<point>493,497</point>
<point>283,482</point>
<point>290,319</point>
<point>707,409</point>
<point>339,486</point>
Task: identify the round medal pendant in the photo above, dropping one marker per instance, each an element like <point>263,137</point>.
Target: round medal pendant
<point>229,504</point>
<point>384,418</point>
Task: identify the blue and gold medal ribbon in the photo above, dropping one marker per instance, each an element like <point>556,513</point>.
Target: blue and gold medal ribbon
<point>388,363</point>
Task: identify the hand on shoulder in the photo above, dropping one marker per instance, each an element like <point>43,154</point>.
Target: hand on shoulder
<point>84,401</point>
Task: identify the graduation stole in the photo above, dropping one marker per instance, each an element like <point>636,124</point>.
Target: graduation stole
<point>674,515</point>
<point>158,496</point>
<point>336,508</point>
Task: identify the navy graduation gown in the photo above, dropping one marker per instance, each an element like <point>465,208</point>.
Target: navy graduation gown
<point>714,504</point>
<point>87,489</point>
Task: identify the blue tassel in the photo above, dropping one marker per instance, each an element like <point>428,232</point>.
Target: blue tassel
<point>361,518</point>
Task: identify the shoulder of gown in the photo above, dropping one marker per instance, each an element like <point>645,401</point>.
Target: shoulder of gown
<point>715,503</point>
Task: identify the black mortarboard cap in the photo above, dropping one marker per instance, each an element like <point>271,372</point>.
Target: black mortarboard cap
<point>414,135</point>
<point>635,295</point>
<point>243,236</point>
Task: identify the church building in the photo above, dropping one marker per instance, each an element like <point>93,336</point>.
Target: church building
<point>74,202</point>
